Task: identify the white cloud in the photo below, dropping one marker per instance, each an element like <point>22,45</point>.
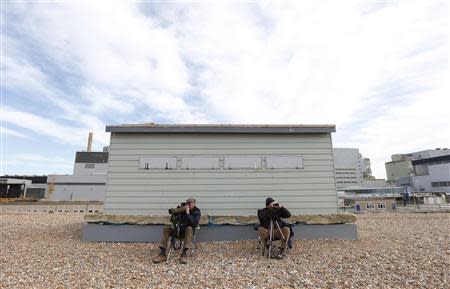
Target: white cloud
<point>377,71</point>
<point>44,126</point>
<point>37,164</point>
<point>12,132</point>
<point>123,58</point>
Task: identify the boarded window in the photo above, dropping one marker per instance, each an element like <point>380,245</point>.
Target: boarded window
<point>200,163</point>
<point>284,162</point>
<point>242,162</point>
<point>158,163</point>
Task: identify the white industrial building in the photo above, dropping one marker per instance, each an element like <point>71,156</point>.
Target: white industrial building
<point>351,169</point>
<point>88,181</point>
<point>399,170</point>
<point>432,174</point>
<point>230,169</point>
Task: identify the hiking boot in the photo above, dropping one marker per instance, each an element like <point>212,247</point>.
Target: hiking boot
<point>160,258</point>
<point>289,243</point>
<point>279,255</point>
<point>183,259</point>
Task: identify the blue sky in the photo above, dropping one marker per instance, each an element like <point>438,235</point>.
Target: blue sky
<point>376,69</point>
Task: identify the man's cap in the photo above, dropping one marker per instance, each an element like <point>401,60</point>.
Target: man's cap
<point>269,200</point>
<point>191,200</point>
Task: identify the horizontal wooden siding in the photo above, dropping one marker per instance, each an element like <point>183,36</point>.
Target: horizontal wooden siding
<point>131,190</point>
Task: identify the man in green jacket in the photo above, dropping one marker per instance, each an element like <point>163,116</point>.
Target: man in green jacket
<point>187,220</point>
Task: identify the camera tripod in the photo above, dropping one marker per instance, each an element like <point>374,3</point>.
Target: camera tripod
<point>271,236</point>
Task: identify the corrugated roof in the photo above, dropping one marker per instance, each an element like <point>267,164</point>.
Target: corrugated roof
<point>221,128</point>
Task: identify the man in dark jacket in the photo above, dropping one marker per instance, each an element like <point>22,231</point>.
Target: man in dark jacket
<point>188,221</point>
<point>274,212</point>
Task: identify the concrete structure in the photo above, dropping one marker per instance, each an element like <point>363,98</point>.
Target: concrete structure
<point>13,188</point>
<point>35,190</point>
<point>230,169</point>
<point>88,181</point>
<point>89,145</point>
<point>432,174</point>
<point>354,178</point>
<point>400,170</point>
<point>377,183</point>
<point>152,233</point>
<point>352,169</point>
<point>76,187</point>
<point>90,164</point>
<point>366,168</point>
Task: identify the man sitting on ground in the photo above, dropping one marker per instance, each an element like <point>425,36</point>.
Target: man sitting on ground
<point>274,212</point>
<point>188,220</point>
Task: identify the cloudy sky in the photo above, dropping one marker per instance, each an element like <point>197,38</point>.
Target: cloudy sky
<point>379,70</point>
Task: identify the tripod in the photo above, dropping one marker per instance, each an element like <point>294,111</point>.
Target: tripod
<point>271,229</point>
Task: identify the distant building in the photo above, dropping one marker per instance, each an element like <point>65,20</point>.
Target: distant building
<point>90,163</point>
<point>88,181</point>
<point>347,167</point>
<point>371,198</point>
<point>432,174</point>
<point>375,204</point>
<point>366,168</point>
<point>374,183</point>
<point>351,169</point>
<point>34,190</point>
<point>400,170</point>
<point>13,188</point>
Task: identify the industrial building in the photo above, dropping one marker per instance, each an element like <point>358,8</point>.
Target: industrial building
<point>401,171</point>
<point>355,182</point>
<point>34,189</point>
<point>352,170</point>
<point>88,181</point>
<point>230,169</point>
<point>13,188</point>
<point>432,174</point>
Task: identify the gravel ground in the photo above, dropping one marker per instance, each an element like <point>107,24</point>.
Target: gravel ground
<point>394,250</point>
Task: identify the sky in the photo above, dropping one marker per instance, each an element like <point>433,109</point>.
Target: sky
<point>377,69</point>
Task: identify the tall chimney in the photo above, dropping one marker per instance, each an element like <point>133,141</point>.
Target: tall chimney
<point>89,146</point>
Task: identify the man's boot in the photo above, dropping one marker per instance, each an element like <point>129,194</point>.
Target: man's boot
<point>280,254</point>
<point>289,243</point>
<point>161,257</point>
<point>183,257</point>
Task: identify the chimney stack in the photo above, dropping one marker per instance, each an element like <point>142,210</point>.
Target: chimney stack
<point>89,146</point>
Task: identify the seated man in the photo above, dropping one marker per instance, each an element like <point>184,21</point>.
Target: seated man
<point>188,220</point>
<point>274,212</point>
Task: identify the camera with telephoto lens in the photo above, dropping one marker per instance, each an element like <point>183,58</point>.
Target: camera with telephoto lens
<point>178,210</point>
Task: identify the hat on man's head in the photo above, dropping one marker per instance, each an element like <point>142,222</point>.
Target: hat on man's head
<point>269,200</point>
<point>191,200</point>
